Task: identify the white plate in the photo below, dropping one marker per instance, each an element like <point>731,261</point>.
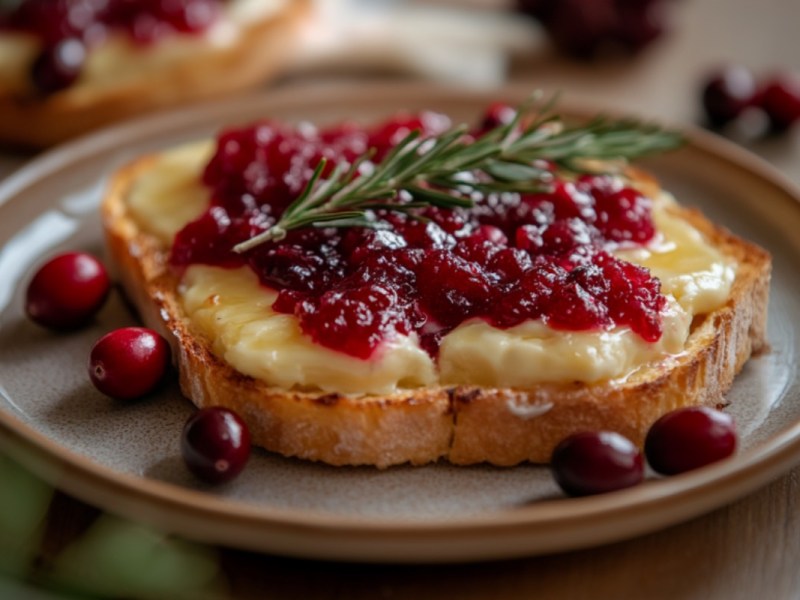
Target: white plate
<point>125,457</point>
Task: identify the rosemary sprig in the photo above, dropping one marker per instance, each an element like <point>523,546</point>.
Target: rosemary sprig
<point>443,171</point>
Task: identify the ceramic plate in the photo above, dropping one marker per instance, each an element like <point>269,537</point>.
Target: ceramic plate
<point>124,457</point>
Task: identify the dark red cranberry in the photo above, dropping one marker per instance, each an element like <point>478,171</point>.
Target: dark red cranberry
<point>596,462</point>
<point>58,66</point>
<point>780,99</point>
<point>67,291</point>
<point>689,438</point>
<point>727,93</point>
<point>583,28</point>
<point>215,444</point>
<point>640,22</point>
<point>128,363</point>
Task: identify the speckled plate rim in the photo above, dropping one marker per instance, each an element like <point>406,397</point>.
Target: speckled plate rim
<point>547,526</point>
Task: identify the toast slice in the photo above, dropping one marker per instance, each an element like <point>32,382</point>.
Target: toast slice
<point>463,424</point>
<point>181,69</point>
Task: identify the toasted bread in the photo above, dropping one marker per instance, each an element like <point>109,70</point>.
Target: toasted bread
<point>462,424</point>
<point>260,51</point>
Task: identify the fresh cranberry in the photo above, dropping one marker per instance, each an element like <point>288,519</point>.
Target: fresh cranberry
<point>727,93</point>
<point>67,291</point>
<point>215,444</point>
<point>780,99</point>
<point>596,462</point>
<point>128,363</point>
<point>58,66</point>
<point>689,438</point>
<point>580,28</point>
<point>640,22</point>
<point>584,28</point>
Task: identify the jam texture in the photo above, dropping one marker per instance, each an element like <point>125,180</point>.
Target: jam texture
<point>508,259</point>
<point>90,21</point>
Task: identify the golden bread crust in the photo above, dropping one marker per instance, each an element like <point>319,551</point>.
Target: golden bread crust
<point>260,53</point>
<point>461,424</point>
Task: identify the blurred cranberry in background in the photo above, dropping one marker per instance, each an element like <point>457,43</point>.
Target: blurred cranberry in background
<point>727,93</point>
<point>584,28</point>
<point>780,99</point>
<point>731,95</point>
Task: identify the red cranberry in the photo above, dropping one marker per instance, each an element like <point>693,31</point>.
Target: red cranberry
<point>780,99</point>
<point>596,462</point>
<point>582,28</point>
<point>215,444</point>
<point>689,438</point>
<point>639,22</point>
<point>727,93</point>
<point>67,291</point>
<point>58,66</point>
<point>128,363</point>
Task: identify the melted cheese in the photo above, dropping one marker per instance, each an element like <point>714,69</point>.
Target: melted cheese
<point>231,308</point>
<point>118,60</point>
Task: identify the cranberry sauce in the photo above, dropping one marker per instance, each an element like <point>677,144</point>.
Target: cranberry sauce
<point>87,22</point>
<point>510,258</point>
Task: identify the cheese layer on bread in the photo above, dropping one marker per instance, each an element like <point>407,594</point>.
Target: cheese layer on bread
<point>232,309</point>
<point>118,60</point>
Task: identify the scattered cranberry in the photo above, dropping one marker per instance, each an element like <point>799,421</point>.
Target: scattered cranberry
<point>58,66</point>
<point>215,444</point>
<point>583,28</point>
<point>727,94</point>
<point>128,363</point>
<point>780,99</point>
<point>67,291</point>
<point>596,462</point>
<point>689,438</point>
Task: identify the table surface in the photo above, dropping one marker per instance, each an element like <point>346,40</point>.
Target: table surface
<point>746,550</point>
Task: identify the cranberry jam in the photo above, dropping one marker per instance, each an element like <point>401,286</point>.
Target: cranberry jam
<point>144,20</point>
<point>508,259</point>
<point>62,25</point>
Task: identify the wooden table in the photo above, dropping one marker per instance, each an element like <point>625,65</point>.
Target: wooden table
<point>746,550</point>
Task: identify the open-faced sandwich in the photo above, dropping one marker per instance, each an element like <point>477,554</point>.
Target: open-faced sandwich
<point>466,294</point>
<point>68,66</point>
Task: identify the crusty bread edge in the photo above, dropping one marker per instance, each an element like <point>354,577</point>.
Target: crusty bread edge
<point>261,53</point>
<point>461,424</point>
